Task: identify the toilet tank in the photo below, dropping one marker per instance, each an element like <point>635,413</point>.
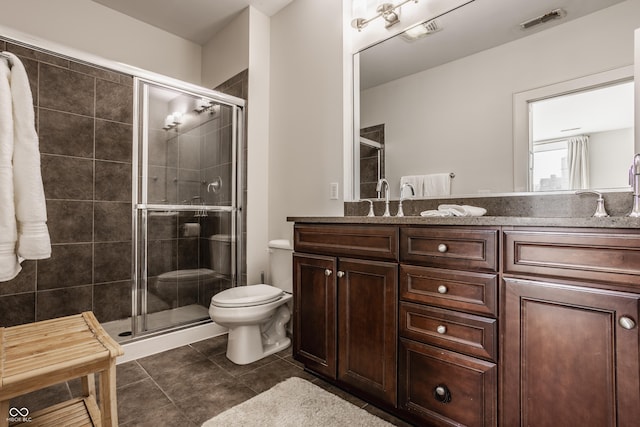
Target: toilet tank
<point>281,264</point>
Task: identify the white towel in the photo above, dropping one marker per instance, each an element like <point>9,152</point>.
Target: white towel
<point>437,184</point>
<point>455,210</point>
<point>9,266</point>
<point>23,215</point>
<point>415,181</point>
<point>31,211</point>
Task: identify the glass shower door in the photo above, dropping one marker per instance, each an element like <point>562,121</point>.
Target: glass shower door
<point>186,217</point>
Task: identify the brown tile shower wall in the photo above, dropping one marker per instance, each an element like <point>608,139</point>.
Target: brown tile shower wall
<point>84,121</point>
<point>238,86</point>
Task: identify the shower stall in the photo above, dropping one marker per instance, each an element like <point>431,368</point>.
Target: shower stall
<point>187,204</point>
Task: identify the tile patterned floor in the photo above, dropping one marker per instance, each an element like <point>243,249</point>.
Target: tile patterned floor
<point>188,385</point>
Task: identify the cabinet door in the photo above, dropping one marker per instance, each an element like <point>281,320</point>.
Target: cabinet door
<point>314,312</point>
<point>570,356</point>
<point>367,332</point>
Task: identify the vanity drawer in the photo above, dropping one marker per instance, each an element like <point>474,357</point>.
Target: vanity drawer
<point>593,255</point>
<point>461,332</point>
<point>457,290</point>
<point>429,375</point>
<point>350,240</point>
<point>453,247</point>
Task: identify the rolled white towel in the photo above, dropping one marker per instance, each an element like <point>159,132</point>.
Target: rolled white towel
<point>455,210</point>
<point>463,210</point>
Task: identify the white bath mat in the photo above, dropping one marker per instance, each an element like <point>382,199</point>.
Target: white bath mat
<point>294,403</point>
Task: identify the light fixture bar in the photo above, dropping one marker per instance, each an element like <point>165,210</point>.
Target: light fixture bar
<point>387,11</point>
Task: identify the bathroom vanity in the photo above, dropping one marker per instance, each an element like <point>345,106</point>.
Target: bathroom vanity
<point>474,321</point>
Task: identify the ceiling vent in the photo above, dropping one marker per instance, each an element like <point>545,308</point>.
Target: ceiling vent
<point>550,16</point>
<point>421,30</point>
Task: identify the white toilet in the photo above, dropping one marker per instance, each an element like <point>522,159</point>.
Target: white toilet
<point>257,315</point>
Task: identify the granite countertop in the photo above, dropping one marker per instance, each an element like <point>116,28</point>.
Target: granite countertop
<point>589,222</point>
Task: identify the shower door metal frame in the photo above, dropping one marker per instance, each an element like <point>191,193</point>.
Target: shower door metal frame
<point>141,207</point>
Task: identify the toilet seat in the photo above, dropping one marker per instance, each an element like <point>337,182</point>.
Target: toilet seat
<point>247,296</point>
<point>187,274</point>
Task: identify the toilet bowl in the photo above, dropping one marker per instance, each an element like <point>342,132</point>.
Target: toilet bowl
<point>257,315</point>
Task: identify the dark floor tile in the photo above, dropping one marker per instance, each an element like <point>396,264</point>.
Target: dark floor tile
<point>137,399</point>
<point>168,415</point>
<point>130,372</point>
<point>216,400</point>
<point>237,370</point>
<point>161,363</point>
<point>212,346</point>
<point>43,398</point>
<point>190,380</point>
<point>265,377</point>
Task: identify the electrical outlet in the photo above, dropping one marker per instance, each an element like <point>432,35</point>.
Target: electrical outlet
<point>333,195</point>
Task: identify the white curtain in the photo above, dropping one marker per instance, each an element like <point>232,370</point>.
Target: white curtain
<point>578,162</point>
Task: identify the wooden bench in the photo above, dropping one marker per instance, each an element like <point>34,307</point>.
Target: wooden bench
<point>40,354</point>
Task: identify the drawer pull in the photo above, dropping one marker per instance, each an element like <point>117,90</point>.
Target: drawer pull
<point>442,248</point>
<point>627,322</point>
<point>340,273</point>
<point>442,393</point>
<point>441,329</point>
<point>442,289</point>
<point>327,272</point>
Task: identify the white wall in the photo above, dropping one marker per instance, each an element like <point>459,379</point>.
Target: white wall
<point>448,119</point>
<point>227,53</point>
<point>90,27</point>
<point>305,136</point>
<point>258,146</point>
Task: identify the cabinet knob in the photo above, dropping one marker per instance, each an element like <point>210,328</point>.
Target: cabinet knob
<point>327,272</point>
<point>340,273</point>
<point>442,248</point>
<point>441,329</point>
<point>442,289</point>
<point>627,322</point>
<point>442,393</point>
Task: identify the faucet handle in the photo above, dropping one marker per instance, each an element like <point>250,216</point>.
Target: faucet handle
<point>371,213</point>
<point>600,212</point>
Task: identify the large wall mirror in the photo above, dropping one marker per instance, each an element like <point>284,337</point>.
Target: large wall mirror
<point>451,99</point>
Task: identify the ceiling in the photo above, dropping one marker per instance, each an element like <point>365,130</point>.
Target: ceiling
<point>195,20</point>
<point>472,28</point>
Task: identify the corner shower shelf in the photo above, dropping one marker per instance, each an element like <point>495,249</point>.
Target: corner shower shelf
<point>37,355</point>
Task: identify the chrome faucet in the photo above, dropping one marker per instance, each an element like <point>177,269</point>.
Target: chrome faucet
<point>386,195</point>
<point>413,193</point>
<point>600,212</point>
<point>634,182</point>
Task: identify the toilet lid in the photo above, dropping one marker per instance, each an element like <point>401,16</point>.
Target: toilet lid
<point>245,296</point>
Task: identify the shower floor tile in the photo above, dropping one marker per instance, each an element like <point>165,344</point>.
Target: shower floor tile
<point>188,385</point>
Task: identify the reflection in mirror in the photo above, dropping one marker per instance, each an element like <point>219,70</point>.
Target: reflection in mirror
<point>582,140</point>
<point>454,112</point>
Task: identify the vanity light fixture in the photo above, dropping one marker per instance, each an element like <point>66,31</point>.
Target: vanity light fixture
<point>421,30</point>
<point>172,120</point>
<point>388,11</point>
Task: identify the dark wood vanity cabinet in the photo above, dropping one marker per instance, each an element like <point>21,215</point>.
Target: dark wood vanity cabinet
<point>345,308</point>
<point>569,326</point>
<point>472,325</point>
<point>448,373</point>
